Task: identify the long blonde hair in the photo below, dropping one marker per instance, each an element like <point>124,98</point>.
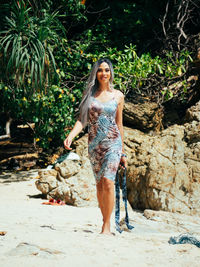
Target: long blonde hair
<point>92,85</point>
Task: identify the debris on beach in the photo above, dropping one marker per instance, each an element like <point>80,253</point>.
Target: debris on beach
<point>2,233</point>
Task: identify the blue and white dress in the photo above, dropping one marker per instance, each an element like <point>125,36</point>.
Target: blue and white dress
<point>104,139</point>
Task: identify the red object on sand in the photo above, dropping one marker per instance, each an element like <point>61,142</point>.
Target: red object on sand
<point>54,202</point>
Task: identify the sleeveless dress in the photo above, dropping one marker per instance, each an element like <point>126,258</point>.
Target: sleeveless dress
<point>104,139</point>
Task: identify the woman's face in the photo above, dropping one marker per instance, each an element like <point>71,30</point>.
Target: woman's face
<point>103,73</point>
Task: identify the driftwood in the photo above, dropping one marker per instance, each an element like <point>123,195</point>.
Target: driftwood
<point>8,148</point>
<point>8,153</point>
<point>19,151</point>
<point>12,144</point>
<point>28,156</point>
<point>7,135</point>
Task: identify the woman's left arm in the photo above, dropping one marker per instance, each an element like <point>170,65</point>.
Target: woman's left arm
<point>119,122</point>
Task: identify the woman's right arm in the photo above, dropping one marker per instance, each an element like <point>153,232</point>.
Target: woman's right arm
<point>78,127</point>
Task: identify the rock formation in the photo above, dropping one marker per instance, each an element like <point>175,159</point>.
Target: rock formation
<point>144,116</point>
<point>163,170</point>
<point>71,181</point>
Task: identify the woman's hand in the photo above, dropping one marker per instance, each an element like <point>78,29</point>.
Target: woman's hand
<point>123,162</point>
<point>78,127</point>
<point>67,143</point>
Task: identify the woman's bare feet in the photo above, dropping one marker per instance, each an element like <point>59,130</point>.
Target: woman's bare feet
<point>106,229</point>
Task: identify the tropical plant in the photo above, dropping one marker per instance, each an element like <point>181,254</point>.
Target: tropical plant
<point>27,43</point>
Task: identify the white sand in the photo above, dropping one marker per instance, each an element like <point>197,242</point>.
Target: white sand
<point>75,232</point>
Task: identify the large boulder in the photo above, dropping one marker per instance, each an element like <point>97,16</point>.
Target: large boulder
<point>164,169</point>
<point>71,181</point>
<point>193,113</point>
<point>146,116</point>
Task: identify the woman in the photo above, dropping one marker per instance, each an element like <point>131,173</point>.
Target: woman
<point>101,108</point>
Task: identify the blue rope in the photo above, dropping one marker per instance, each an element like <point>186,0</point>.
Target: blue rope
<point>117,203</point>
<point>184,239</point>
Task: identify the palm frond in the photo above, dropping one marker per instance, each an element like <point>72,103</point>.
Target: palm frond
<point>26,44</point>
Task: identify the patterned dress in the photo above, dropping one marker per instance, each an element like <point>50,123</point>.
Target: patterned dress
<point>104,139</point>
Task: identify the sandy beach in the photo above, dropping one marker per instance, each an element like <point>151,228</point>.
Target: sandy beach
<point>43,235</point>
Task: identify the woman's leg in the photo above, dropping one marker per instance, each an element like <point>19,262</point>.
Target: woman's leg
<point>105,195</point>
<point>108,203</point>
<point>100,196</point>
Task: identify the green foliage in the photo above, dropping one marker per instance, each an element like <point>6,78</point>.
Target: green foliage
<point>51,113</point>
<point>54,112</point>
<point>26,44</point>
<point>133,72</point>
<point>44,69</point>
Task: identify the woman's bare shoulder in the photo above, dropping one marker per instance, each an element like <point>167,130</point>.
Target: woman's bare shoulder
<point>119,96</point>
